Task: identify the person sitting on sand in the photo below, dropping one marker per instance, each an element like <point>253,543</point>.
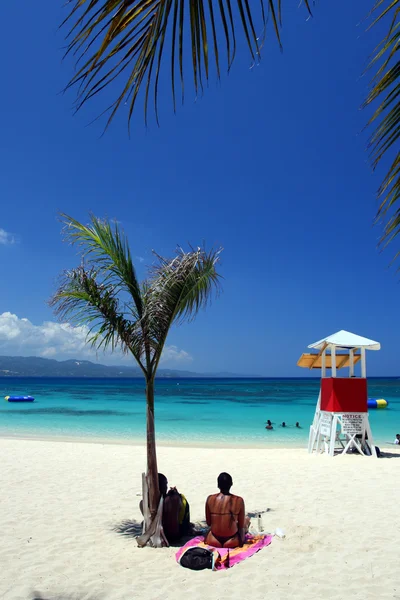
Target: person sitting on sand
<point>176,511</point>
<point>225,516</point>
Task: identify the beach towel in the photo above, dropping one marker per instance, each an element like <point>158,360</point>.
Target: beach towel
<point>225,558</point>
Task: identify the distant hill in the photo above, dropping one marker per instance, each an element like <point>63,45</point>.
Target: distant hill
<point>34,366</point>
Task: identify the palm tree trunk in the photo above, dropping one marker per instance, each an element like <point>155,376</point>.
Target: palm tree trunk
<point>152,470</point>
<point>153,533</point>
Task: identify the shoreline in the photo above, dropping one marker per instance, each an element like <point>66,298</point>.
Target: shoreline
<point>163,443</point>
<point>141,442</point>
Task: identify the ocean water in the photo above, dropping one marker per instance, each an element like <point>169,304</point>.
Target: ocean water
<point>211,412</point>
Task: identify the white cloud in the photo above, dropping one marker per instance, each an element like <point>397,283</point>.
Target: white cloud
<point>173,354</point>
<point>20,337</point>
<point>140,259</point>
<point>6,239</point>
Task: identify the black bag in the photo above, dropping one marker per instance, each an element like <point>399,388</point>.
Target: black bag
<point>197,559</point>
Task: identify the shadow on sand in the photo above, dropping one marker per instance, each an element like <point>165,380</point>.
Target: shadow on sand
<point>129,528</point>
<point>132,528</point>
<point>385,454</point>
<point>254,514</point>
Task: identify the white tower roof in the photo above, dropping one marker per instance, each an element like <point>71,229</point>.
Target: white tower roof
<point>346,339</point>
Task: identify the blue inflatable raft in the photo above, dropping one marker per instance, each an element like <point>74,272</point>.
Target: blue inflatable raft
<point>19,399</point>
<point>377,403</point>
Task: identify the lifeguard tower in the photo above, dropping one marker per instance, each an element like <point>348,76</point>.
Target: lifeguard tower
<point>341,416</point>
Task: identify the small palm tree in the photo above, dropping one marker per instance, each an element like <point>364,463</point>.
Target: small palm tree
<point>105,295</point>
<point>129,42</point>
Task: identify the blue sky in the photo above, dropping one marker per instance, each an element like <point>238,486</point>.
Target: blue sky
<point>270,164</point>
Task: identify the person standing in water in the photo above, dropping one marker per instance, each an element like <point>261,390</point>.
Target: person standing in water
<point>268,425</point>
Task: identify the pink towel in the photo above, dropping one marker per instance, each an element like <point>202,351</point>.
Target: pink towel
<point>224,558</point>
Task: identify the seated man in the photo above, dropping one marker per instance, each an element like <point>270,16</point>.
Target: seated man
<point>176,511</point>
<point>225,516</point>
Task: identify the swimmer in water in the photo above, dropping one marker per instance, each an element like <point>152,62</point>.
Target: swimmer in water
<point>268,425</point>
<point>283,424</point>
<point>298,425</point>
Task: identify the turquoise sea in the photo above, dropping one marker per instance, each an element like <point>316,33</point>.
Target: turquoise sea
<point>211,412</point>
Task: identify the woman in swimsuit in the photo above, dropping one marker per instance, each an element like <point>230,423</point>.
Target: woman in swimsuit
<point>225,516</point>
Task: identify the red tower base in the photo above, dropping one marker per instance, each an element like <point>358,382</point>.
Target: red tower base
<point>342,395</point>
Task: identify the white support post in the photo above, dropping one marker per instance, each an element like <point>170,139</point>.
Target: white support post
<point>323,364</point>
<point>363,364</point>
<point>370,438</point>
<point>333,436</point>
<point>310,439</point>
<point>314,430</point>
<point>318,402</point>
<point>333,360</point>
<point>351,370</point>
<point>318,442</point>
<point>315,425</point>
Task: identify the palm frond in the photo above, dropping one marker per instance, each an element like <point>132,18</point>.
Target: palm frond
<point>386,118</point>
<point>177,290</point>
<point>82,300</point>
<point>125,40</point>
<point>90,295</point>
<point>105,245</point>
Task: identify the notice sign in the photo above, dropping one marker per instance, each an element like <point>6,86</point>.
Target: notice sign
<point>325,423</point>
<point>352,424</point>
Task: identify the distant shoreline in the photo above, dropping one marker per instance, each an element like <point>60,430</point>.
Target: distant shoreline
<point>182,443</point>
<point>182,378</point>
<point>39,367</point>
<point>140,442</point>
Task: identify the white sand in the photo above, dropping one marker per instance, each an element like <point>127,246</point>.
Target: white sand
<point>59,503</point>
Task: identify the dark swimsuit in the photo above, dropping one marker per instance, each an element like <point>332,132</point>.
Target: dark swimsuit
<point>223,540</point>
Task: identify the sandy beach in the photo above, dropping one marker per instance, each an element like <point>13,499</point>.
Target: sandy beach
<point>62,503</point>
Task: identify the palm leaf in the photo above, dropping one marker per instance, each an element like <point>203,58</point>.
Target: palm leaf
<point>125,40</point>
<point>177,290</point>
<point>104,245</point>
<point>83,300</point>
<point>94,294</point>
<point>385,89</point>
